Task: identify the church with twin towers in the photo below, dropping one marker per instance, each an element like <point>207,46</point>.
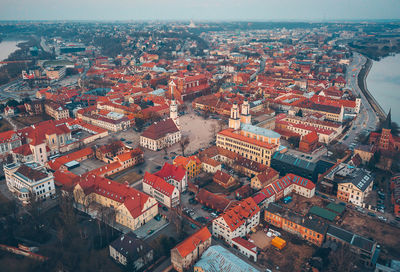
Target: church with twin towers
<point>251,142</point>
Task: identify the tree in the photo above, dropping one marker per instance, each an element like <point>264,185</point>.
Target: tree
<point>12,103</point>
<point>183,143</point>
<point>114,146</point>
<point>139,122</point>
<point>213,129</point>
<point>294,141</point>
<point>9,158</point>
<point>343,259</point>
<point>299,113</point>
<point>177,220</point>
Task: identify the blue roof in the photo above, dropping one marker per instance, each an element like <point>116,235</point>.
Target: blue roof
<point>260,131</point>
<point>158,92</point>
<point>23,190</point>
<point>217,258</point>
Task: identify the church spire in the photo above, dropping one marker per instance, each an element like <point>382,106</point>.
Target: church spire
<point>173,107</point>
<point>387,124</point>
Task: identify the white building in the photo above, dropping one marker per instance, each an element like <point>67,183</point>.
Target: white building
<point>28,179</point>
<point>238,221</point>
<point>161,190</point>
<point>161,134</point>
<point>175,175</point>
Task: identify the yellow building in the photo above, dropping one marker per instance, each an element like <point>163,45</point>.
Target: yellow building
<point>56,110</point>
<point>263,179</point>
<point>127,206</point>
<point>251,142</point>
<point>249,148</point>
<point>192,165</point>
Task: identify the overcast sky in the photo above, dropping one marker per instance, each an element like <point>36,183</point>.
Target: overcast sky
<point>262,10</point>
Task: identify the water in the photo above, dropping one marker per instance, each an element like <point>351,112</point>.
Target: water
<point>7,47</point>
<point>383,83</point>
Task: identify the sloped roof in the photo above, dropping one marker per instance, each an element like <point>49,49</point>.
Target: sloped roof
<point>191,243</point>
<point>266,176</point>
<point>129,245</point>
<point>170,171</point>
<point>160,129</point>
<point>158,183</point>
<point>217,258</point>
<point>222,176</point>
<point>324,213</point>
<point>31,173</point>
<point>133,199</point>
<point>237,215</point>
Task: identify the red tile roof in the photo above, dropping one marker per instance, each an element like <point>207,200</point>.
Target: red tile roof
<point>169,171</point>
<point>222,176</point>
<point>245,243</point>
<point>267,176</point>
<point>158,183</point>
<point>160,129</point>
<point>7,135</point>
<point>133,199</point>
<point>310,137</point>
<point>191,243</point>
<point>217,202</point>
<point>237,215</point>
<point>77,155</point>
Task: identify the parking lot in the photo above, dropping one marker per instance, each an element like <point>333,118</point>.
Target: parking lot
<point>196,210</point>
<point>87,165</point>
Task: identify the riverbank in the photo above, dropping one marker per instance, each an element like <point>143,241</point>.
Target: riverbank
<point>7,47</point>
<point>362,84</point>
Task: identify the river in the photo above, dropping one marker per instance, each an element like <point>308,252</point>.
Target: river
<point>383,82</point>
<point>7,47</point>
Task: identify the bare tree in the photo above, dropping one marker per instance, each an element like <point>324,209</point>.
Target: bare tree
<point>176,219</point>
<point>183,143</point>
<point>213,129</point>
<point>221,125</point>
<point>343,259</point>
<point>9,158</point>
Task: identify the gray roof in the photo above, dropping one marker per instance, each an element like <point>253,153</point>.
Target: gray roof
<point>216,258</point>
<point>129,244</point>
<point>289,159</point>
<point>259,131</point>
<point>351,238</point>
<point>361,178</point>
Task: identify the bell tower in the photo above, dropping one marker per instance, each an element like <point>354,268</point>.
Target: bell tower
<point>173,107</point>
<point>234,120</point>
<point>384,140</point>
<point>245,116</point>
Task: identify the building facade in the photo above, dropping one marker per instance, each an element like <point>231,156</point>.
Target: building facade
<point>185,254</point>
<point>127,206</point>
<point>237,221</point>
<point>29,181</point>
<point>161,190</point>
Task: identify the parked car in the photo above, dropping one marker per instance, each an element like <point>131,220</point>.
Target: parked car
<point>384,219</point>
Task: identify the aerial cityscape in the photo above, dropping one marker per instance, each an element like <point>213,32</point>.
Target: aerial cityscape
<point>200,136</point>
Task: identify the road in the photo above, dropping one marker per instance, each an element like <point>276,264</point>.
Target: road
<point>366,119</point>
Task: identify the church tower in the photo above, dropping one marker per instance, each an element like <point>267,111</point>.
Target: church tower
<point>234,120</point>
<point>384,140</point>
<point>173,107</point>
<point>245,116</point>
